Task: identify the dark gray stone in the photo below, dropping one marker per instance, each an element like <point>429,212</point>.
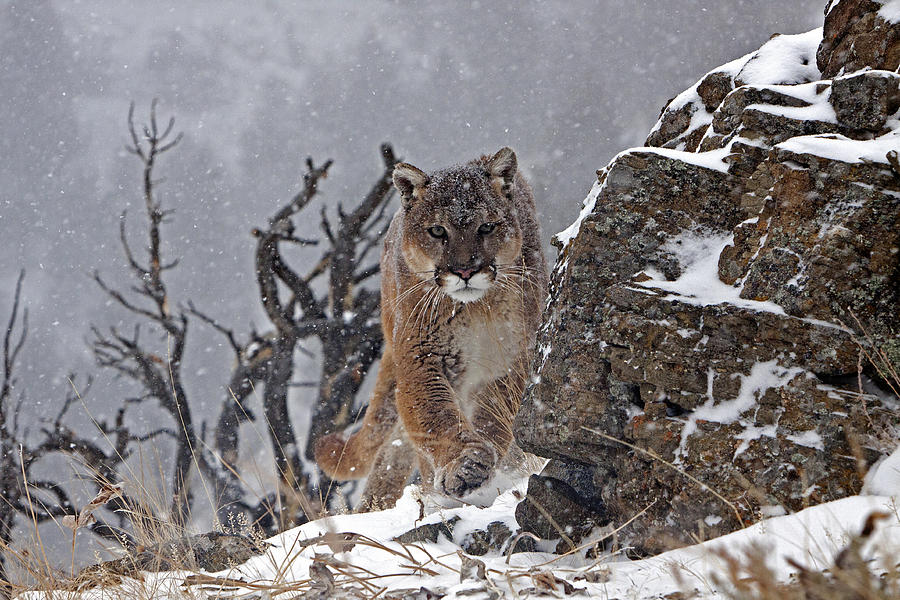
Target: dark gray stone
<point>429,532</point>
<point>481,541</point>
<point>865,100</point>
<point>552,509</point>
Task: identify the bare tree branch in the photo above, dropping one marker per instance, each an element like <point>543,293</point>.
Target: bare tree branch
<point>228,333</point>
<point>349,348</point>
<point>158,373</point>
<point>304,196</point>
<point>11,349</point>
<point>366,273</point>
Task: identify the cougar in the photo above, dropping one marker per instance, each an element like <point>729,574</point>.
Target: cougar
<point>463,284</point>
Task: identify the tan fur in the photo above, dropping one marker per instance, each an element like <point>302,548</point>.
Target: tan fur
<point>459,315</point>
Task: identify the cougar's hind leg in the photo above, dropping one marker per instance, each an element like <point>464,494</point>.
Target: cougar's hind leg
<point>391,470</point>
<point>352,458</point>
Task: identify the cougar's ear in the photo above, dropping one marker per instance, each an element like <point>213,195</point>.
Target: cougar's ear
<point>502,169</point>
<point>410,182</point>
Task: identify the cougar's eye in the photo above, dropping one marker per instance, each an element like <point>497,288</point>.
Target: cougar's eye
<point>437,231</point>
<point>486,228</point>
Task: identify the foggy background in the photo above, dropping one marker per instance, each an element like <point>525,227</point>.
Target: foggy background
<point>259,86</point>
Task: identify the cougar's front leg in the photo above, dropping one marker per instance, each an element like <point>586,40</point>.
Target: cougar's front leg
<point>496,405</point>
<point>394,463</point>
<point>462,460</point>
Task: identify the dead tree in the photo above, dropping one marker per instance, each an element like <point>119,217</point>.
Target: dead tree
<point>156,365</point>
<point>353,341</point>
<point>331,302</point>
<point>344,316</point>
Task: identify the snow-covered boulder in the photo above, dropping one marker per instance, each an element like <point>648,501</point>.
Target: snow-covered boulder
<point>699,360</point>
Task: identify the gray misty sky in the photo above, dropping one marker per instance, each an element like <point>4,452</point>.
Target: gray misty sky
<point>258,86</point>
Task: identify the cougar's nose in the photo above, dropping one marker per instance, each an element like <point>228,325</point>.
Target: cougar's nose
<point>464,273</point>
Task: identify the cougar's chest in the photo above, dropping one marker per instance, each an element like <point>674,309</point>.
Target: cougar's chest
<point>488,344</point>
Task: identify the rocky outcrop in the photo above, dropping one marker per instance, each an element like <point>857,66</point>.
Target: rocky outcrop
<point>702,359</point>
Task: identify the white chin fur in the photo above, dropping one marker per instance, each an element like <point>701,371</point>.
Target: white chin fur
<point>467,294</point>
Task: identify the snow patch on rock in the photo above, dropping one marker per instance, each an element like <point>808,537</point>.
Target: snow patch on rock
<point>883,478</point>
<point>890,12</point>
<point>763,376</point>
<point>699,284</point>
<point>841,148</point>
<point>785,59</point>
<point>587,207</point>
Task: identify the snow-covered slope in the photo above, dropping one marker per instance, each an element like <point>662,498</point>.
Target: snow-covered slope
<point>359,553</point>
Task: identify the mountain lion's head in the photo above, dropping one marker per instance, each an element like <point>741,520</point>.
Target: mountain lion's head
<point>460,228</point>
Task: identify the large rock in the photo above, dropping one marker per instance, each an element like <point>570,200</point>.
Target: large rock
<point>699,361</point>
<point>641,200</point>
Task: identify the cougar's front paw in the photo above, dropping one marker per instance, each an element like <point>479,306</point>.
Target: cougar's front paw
<point>469,471</point>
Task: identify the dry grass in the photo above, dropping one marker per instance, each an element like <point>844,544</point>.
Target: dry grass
<point>852,575</point>
<point>884,437</point>
<point>145,508</point>
<point>28,559</point>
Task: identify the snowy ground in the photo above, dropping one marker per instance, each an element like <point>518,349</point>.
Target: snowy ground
<point>358,552</point>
